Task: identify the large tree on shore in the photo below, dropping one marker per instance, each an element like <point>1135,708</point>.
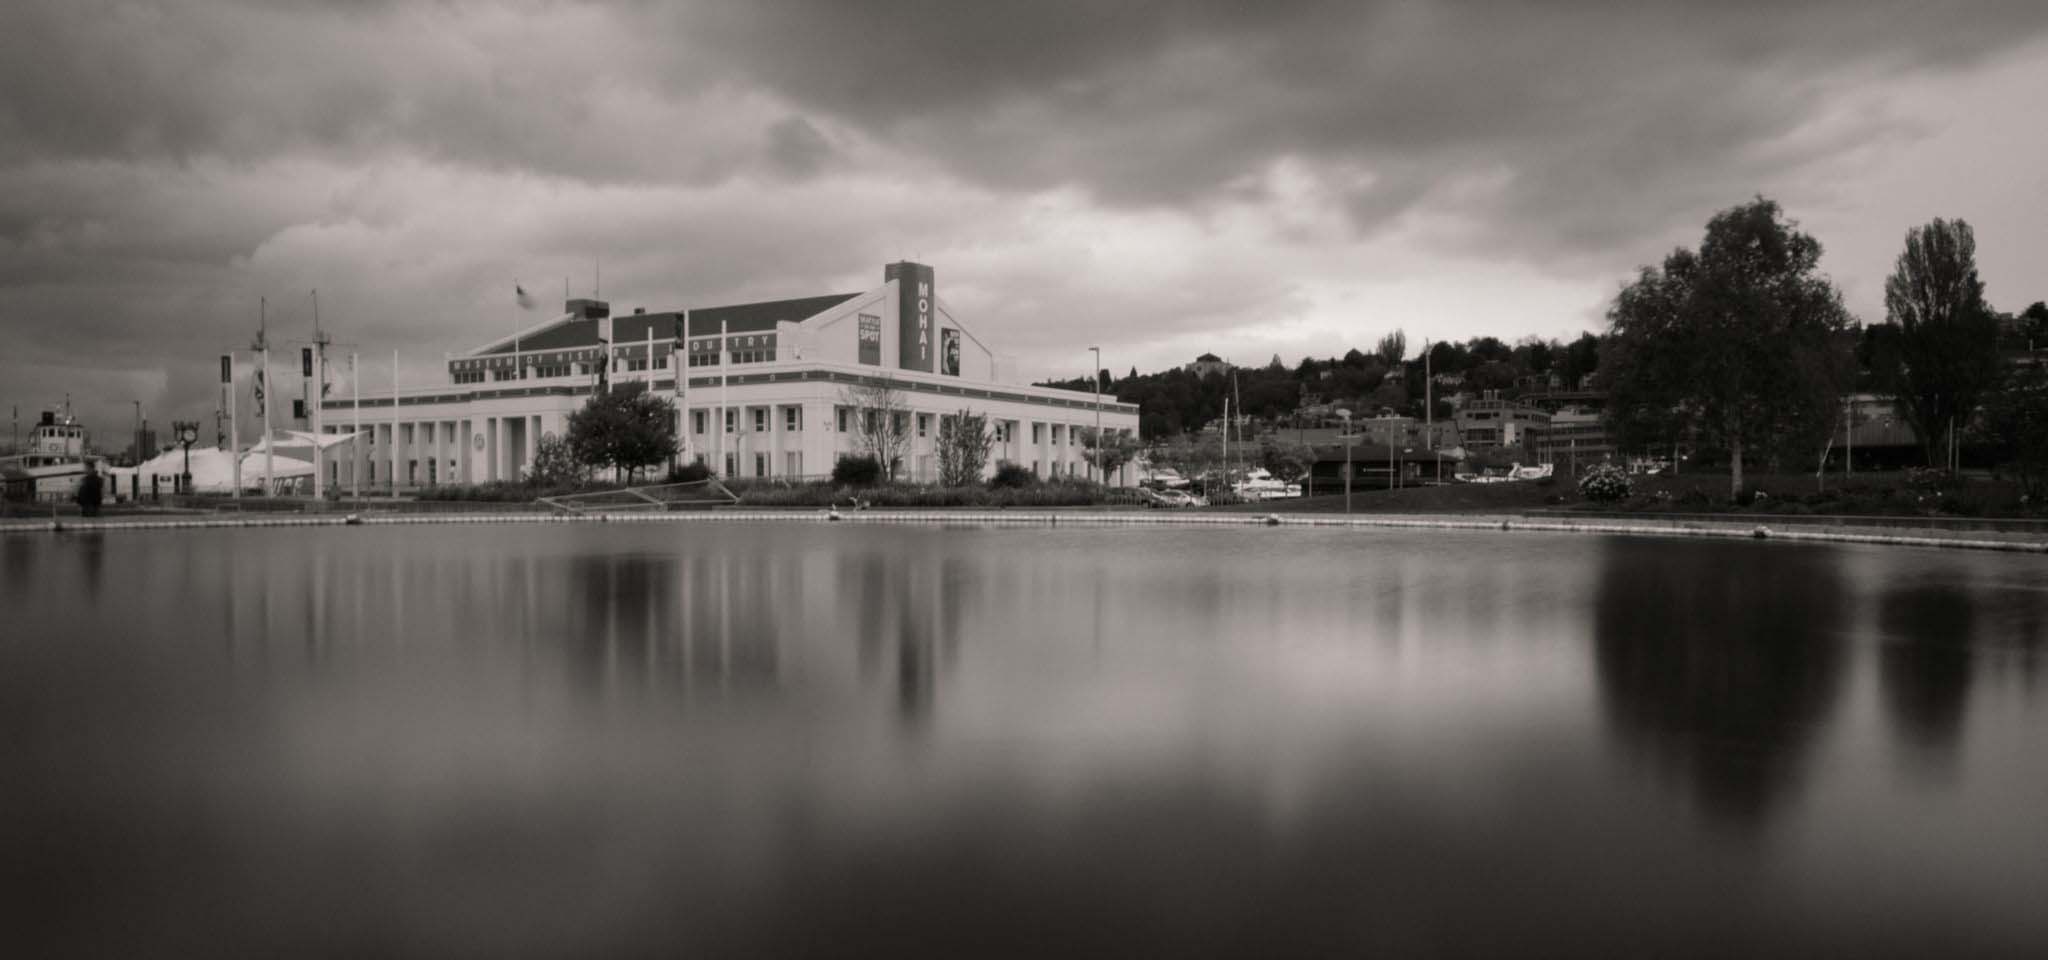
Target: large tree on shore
<point>1948,337</point>
<point>1727,342</point>
<point>625,428</point>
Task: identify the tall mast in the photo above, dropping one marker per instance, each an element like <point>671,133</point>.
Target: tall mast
<point>262,346</point>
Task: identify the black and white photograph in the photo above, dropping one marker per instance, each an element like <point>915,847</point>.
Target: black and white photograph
<point>901,478</point>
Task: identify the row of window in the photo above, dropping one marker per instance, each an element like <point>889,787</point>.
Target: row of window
<point>760,355</point>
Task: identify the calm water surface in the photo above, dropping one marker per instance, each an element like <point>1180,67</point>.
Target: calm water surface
<point>779,739</point>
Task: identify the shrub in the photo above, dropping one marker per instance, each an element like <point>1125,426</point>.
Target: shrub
<point>1606,483</point>
<point>857,471</point>
<point>1010,476</point>
<point>689,473</point>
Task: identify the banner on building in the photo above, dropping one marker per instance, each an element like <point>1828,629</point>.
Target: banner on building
<point>871,339</point>
<point>949,352</point>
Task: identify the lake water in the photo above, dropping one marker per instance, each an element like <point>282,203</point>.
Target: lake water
<point>748,740</point>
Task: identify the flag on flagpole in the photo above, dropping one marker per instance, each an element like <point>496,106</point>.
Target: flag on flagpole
<point>524,299</point>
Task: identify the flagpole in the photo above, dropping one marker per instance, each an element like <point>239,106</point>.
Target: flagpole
<point>234,429</point>
<point>269,397</point>
<point>394,424</point>
<point>319,400</point>
<point>724,360</point>
<point>355,443</point>
<point>678,360</point>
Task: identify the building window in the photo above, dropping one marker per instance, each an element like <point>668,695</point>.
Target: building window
<point>760,419</point>
<point>661,363</point>
<point>503,375</point>
<point>924,423</point>
<point>792,419</point>
<point>697,419</point>
<point>1055,434</point>
<point>793,463</point>
<point>732,419</point>
<point>844,416</point>
<point>1037,437</point>
<point>899,424</point>
<point>760,464</point>
<point>729,464</point>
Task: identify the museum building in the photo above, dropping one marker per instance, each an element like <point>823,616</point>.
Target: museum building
<point>762,390</point>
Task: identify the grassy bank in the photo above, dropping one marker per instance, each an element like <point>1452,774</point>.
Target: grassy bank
<point>1877,494</point>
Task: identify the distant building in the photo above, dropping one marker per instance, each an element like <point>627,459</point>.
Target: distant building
<point>1576,439</point>
<point>1207,364</point>
<point>1493,422</point>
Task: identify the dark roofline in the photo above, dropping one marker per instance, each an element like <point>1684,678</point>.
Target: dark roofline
<point>760,317</point>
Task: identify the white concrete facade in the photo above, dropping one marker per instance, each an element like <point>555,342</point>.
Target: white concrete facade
<point>771,403</point>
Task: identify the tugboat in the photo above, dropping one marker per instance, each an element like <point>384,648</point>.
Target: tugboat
<point>53,464</point>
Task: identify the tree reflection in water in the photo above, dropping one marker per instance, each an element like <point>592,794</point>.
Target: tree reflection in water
<point>1926,664</point>
<point>1713,670</point>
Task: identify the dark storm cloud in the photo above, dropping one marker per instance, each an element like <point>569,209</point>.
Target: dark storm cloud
<point>1182,170</point>
<point>1589,122</point>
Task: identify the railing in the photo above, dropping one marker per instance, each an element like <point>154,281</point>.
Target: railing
<point>656,498</point>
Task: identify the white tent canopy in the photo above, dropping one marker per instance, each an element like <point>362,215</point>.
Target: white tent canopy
<point>302,442</point>
<point>212,470</point>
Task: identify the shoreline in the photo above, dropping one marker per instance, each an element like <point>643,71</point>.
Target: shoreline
<point>1903,534</point>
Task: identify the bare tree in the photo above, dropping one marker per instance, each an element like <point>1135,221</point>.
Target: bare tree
<point>881,427</point>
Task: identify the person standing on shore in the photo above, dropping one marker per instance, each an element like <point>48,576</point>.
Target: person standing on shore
<point>89,492</point>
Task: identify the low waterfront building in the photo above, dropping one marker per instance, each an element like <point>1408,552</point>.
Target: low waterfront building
<point>762,390</point>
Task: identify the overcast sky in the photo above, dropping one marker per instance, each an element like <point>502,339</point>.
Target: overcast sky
<point>1157,178</point>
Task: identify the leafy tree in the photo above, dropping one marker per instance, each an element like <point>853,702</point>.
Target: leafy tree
<point>1393,348</point>
<point>1285,459</point>
<point>1354,359</point>
<point>2016,421</point>
<point>964,442</point>
<point>1493,375</point>
<point>1581,358</point>
<point>880,421</point>
<point>1489,350</point>
<point>2033,324</point>
<point>1726,340</point>
<point>1108,451</point>
<point>625,428</point>
<point>555,464</point>
<point>1948,338</point>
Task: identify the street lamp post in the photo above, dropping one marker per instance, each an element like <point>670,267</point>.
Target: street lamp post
<point>188,434</point>
<point>1095,380</point>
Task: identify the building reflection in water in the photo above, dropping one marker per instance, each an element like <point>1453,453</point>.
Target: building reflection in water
<point>1712,672</point>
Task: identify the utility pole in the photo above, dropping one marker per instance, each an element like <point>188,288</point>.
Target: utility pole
<point>1849,455</point>
<point>1348,439</point>
<point>1428,400</point>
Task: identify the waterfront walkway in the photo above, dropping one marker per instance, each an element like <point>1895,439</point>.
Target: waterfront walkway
<point>1904,533</point>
